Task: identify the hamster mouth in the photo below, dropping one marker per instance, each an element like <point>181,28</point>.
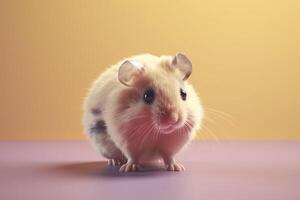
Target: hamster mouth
<point>169,129</point>
<point>182,124</point>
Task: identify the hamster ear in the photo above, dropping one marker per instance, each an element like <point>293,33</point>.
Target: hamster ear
<point>183,64</point>
<point>129,71</point>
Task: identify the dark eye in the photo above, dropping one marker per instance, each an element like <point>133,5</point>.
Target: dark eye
<point>149,96</point>
<point>183,94</point>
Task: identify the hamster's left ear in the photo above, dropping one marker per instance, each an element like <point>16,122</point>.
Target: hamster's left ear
<point>183,64</point>
<point>129,71</point>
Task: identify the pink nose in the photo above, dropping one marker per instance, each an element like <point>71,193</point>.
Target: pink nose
<point>173,119</point>
<point>168,119</point>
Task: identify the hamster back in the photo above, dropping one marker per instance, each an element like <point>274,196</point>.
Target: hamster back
<point>142,109</point>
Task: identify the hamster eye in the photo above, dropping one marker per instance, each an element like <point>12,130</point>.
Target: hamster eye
<point>183,94</point>
<point>149,96</point>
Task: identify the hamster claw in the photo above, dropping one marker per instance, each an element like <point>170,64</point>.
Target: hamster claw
<point>175,167</point>
<point>129,167</point>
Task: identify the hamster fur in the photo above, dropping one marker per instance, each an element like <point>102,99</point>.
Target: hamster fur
<point>142,109</point>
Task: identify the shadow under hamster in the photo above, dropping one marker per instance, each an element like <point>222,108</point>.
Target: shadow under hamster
<point>100,169</point>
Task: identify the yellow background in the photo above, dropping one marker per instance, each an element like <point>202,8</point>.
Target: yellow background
<point>246,57</point>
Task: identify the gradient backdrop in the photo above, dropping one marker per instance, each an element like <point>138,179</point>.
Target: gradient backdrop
<point>246,57</point>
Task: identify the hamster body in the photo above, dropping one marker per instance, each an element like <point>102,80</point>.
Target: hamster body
<point>142,108</point>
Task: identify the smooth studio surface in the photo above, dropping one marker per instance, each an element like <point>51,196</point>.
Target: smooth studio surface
<point>215,170</point>
<point>245,56</point>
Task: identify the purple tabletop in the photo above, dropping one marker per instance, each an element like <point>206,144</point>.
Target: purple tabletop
<point>214,170</point>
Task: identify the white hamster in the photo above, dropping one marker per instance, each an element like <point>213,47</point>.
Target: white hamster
<point>143,109</point>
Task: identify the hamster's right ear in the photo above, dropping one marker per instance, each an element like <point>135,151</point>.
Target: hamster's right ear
<point>129,71</point>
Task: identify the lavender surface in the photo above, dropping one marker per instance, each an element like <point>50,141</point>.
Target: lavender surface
<point>214,170</point>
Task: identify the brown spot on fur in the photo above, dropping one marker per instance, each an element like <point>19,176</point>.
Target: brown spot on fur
<point>127,97</point>
<point>142,82</point>
<point>98,128</point>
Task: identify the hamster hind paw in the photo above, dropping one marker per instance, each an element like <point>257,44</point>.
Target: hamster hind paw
<point>115,162</point>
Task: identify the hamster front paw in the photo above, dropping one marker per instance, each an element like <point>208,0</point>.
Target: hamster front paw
<point>172,165</point>
<point>129,167</point>
<point>175,167</point>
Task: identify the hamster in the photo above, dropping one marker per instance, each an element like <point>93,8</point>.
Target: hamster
<point>143,109</point>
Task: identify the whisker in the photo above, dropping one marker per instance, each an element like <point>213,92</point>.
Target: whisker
<point>211,133</point>
<point>145,135</point>
<point>135,132</point>
<point>210,120</point>
<point>218,111</point>
<point>221,115</point>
